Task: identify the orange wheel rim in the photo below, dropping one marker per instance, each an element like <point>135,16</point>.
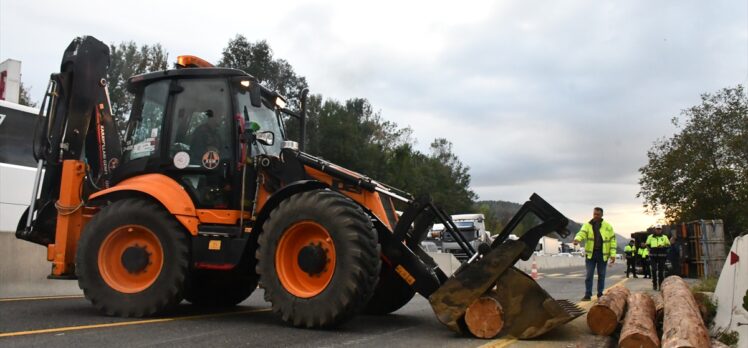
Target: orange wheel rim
<point>305,259</point>
<point>130,258</point>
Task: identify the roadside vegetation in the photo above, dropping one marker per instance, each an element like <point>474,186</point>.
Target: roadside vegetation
<point>351,133</point>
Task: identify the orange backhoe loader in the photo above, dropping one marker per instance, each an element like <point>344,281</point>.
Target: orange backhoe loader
<point>202,197</point>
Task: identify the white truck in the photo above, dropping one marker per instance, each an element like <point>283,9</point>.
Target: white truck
<point>548,246</point>
<point>471,226</point>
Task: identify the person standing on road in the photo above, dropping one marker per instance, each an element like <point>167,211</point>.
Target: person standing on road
<point>600,246</point>
<point>630,252</point>
<point>658,246</point>
<point>644,259</point>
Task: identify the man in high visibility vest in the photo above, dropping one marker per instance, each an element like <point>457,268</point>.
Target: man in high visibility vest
<point>658,245</point>
<point>599,246</point>
<point>644,259</point>
<point>630,251</point>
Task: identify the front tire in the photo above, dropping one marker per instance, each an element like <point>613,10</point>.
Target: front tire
<point>132,259</point>
<point>318,259</point>
<point>391,294</point>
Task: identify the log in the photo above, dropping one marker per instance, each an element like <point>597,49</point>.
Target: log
<point>639,329</point>
<point>682,325</point>
<point>659,306</point>
<point>485,317</point>
<point>604,316</point>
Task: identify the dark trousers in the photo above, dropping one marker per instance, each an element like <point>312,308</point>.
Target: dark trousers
<point>658,271</point>
<point>645,267</point>
<point>630,266</point>
<point>598,262</point>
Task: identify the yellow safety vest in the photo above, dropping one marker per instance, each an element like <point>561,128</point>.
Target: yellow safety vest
<point>643,253</point>
<point>630,250</point>
<point>660,241</point>
<point>587,235</point>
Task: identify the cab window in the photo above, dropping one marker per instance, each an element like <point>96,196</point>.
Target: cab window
<point>201,125</point>
<point>147,120</point>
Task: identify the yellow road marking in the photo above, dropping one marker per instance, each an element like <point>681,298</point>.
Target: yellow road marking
<point>127,323</point>
<point>506,341</point>
<point>11,299</point>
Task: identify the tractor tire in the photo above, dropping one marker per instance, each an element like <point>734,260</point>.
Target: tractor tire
<point>318,259</point>
<point>391,293</point>
<point>212,288</point>
<point>133,259</point>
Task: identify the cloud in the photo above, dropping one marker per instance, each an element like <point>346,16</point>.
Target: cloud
<point>563,98</point>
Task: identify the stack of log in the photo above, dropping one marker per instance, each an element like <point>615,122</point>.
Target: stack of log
<point>639,314</point>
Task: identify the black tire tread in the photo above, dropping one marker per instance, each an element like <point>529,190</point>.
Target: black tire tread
<point>361,244</point>
<point>108,300</point>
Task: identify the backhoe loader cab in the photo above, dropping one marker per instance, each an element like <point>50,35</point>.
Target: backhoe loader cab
<point>205,198</point>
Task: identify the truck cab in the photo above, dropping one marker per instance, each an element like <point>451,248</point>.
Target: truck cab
<point>471,226</point>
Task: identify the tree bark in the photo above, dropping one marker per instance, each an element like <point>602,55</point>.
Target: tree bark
<point>659,306</point>
<point>639,329</point>
<point>485,317</point>
<point>682,324</point>
<point>604,316</point>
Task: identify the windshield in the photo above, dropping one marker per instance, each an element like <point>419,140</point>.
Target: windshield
<point>465,225</point>
<point>265,118</point>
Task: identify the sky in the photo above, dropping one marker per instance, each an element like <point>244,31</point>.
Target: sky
<point>562,98</point>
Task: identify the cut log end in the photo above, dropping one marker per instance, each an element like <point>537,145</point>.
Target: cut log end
<point>637,340</point>
<point>603,317</point>
<point>602,320</point>
<point>484,317</point>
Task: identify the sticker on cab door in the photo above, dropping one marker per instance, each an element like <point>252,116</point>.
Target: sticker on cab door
<point>211,159</point>
<point>181,160</point>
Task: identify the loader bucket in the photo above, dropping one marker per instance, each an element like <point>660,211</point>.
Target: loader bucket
<point>527,310</point>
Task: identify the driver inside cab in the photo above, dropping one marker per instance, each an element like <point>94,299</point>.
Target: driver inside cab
<point>207,136</point>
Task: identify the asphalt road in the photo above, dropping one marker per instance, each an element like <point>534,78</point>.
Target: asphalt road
<point>72,321</point>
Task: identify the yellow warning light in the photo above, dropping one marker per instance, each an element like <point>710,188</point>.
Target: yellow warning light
<point>188,61</point>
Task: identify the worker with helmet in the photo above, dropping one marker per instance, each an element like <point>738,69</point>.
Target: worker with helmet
<point>630,251</point>
<point>658,247</point>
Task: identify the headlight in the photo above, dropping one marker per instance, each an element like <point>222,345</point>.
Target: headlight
<point>280,102</point>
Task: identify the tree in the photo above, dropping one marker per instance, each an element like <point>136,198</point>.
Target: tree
<point>257,60</point>
<point>126,60</point>
<point>702,171</point>
<point>356,136</point>
<point>24,96</point>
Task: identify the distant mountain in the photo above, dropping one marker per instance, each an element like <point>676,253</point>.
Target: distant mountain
<point>498,213</point>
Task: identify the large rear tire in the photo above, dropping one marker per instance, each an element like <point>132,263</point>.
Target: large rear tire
<point>215,288</point>
<point>132,259</point>
<point>391,294</point>
<point>318,259</point>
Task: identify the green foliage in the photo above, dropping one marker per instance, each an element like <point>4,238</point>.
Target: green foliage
<point>257,60</point>
<point>729,338</point>
<point>707,307</point>
<point>354,136</point>
<point>126,60</point>
<point>705,285</point>
<point>24,96</point>
<point>702,171</point>
<point>351,133</point>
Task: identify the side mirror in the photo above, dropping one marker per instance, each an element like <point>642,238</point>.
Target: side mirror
<point>255,94</point>
<point>266,138</point>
